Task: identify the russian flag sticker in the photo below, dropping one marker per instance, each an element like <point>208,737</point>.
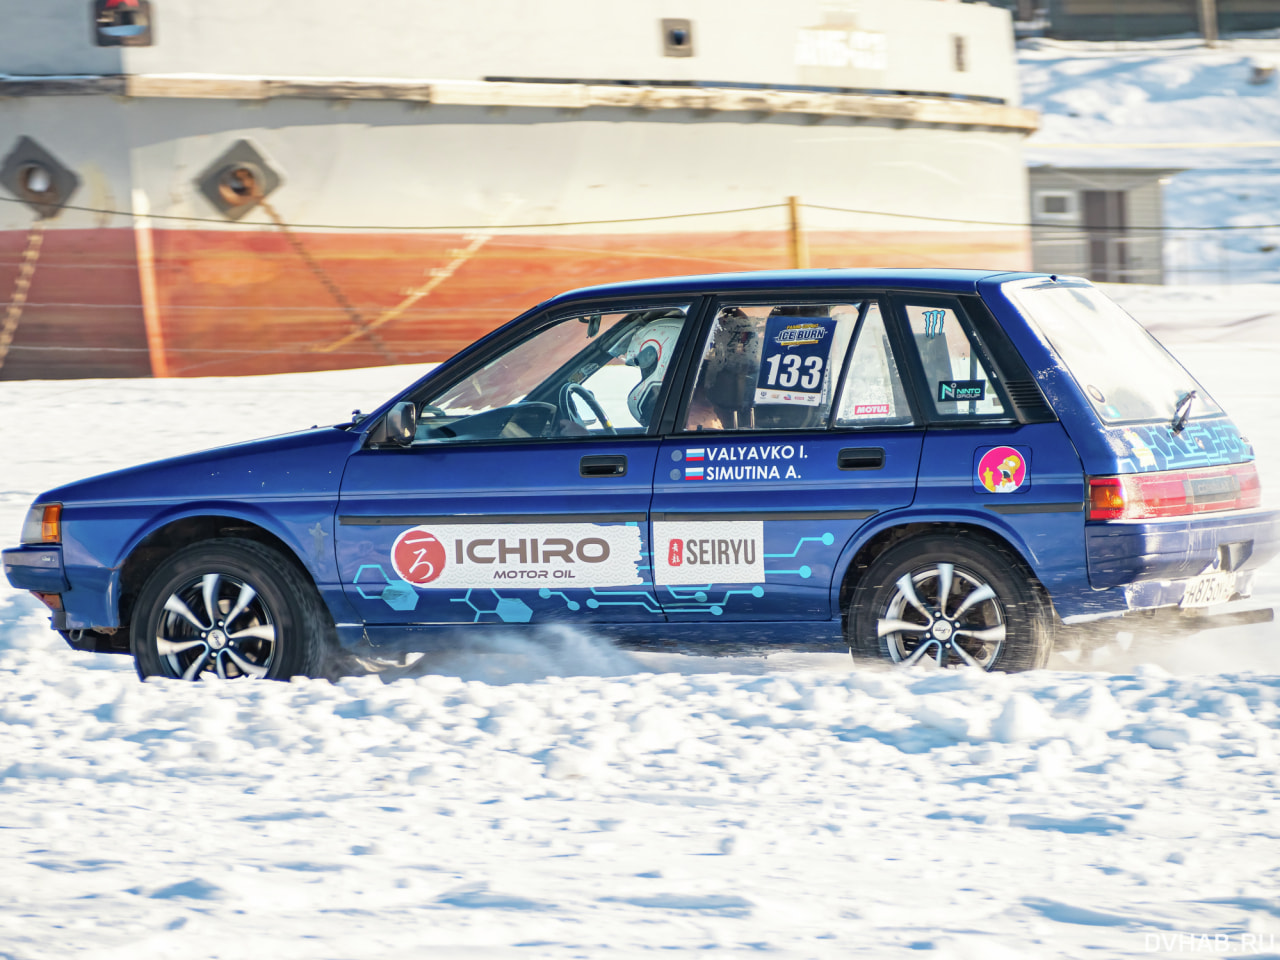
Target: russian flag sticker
<point>696,453</point>
<point>693,473</point>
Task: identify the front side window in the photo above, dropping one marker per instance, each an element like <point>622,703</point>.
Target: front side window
<point>770,366</point>
<point>592,374</point>
<point>956,377</point>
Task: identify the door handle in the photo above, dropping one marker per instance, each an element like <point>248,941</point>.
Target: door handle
<point>609,465</point>
<point>861,458</point>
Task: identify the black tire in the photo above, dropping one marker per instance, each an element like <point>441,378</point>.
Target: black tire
<point>279,627</point>
<point>1008,627</point>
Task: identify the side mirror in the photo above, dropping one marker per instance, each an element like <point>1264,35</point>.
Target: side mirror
<point>402,423</point>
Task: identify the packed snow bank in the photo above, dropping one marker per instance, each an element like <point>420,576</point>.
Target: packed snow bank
<point>876,813</point>
<point>1109,103</point>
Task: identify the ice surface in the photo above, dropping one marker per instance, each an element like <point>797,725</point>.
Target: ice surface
<point>562,798</point>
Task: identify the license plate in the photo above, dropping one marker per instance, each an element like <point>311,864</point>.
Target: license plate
<point>1209,589</point>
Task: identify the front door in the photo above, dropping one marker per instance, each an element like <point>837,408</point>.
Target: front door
<point>523,497</point>
<point>789,443</point>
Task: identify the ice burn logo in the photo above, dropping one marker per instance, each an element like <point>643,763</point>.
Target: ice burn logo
<point>798,334</point>
<point>1002,470</point>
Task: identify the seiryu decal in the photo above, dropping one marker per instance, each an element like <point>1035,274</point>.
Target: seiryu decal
<point>706,552</point>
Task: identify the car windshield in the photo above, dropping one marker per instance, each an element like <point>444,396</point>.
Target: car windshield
<point>1123,370</point>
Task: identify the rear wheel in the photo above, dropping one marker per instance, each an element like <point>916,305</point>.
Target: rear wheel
<point>957,602</point>
<point>229,609</point>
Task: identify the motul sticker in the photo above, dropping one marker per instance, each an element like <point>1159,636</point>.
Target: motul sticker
<point>708,552</point>
<point>449,556</point>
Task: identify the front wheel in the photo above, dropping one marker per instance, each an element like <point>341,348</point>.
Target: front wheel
<point>228,609</point>
<point>957,602</point>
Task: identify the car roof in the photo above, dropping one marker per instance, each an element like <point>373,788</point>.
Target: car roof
<point>950,281</point>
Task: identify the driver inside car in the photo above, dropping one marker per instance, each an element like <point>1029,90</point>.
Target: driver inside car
<point>650,350</point>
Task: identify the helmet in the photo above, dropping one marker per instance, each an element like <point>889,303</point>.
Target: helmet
<point>733,363</point>
<point>651,349</point>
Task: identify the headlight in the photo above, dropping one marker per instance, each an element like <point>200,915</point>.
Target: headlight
<point>43,524</point>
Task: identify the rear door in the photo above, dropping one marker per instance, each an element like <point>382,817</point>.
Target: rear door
<point>787,443</point>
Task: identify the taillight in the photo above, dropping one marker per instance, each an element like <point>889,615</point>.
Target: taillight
<point>1106,498</point>
<point>1174,493</point>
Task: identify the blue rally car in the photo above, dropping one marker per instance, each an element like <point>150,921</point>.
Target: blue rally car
<point>916,464</point>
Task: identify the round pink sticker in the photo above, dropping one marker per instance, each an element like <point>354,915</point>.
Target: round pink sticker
<point>1002,470</point>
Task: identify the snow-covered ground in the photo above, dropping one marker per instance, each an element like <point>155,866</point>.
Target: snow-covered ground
<point>566,799</point>
<point>1174,104</point>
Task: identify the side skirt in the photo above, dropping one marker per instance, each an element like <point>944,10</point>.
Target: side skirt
<point>730,638</point>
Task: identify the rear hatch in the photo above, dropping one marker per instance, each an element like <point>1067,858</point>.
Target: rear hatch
<point>1168,472</point>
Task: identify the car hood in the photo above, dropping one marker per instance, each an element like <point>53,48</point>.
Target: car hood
<point>304,464</point>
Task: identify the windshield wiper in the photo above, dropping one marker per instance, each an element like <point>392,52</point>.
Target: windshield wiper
<point>1181,412</point>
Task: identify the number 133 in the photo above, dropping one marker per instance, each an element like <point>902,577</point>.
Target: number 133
<point>785,370</point>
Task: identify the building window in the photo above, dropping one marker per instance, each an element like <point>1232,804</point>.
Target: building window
<point>122,23</point>
<point>1055,205</point>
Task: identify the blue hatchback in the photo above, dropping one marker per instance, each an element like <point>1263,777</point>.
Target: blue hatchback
<point>910,464</point>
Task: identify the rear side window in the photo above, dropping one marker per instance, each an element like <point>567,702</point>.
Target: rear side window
<point>872,394</point>
<point>955,375</point>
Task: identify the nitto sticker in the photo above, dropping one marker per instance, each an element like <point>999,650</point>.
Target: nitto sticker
<point>754,461</point>
<point>708,552</point>
<point>952,390</point>
<point>1002,470</point>
<point>871,410</point>
<point>491,555</point>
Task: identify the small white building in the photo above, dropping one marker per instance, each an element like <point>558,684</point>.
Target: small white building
<point>1105,223</point>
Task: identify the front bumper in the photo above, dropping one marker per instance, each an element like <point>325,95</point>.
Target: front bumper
<point>37,568</point>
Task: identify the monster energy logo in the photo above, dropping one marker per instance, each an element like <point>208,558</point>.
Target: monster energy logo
<point>933,323</point>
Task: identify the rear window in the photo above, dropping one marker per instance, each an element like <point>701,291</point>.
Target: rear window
<point>1123,370</point>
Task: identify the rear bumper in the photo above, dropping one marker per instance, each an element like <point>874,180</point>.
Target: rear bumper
<point>1125,553</point>
<point>1150,594</point>
<point>37,568</point>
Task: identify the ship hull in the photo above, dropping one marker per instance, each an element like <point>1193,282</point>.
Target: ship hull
<point>400,233</point>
